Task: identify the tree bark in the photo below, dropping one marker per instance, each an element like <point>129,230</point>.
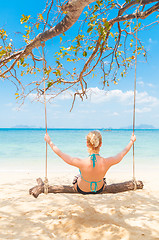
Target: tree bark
<point>113,188</point>
<point>73,9</point>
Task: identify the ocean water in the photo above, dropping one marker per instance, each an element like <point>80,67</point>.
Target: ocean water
<point>24,149</point>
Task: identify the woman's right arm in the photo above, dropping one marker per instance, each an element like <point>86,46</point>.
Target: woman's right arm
<point>68,159</point>
<point>116,159</point>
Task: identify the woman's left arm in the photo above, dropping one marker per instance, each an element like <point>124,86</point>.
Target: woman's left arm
<point>77,162</point>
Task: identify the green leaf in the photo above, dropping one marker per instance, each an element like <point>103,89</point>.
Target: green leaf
<point>2,52</point>
<point>24,18</point>
<point>90,47</point>
<point>107,25</point>
<point>99,2</point>
<point>89,29</point>
<point>21,61</point>
<point>50,83</point>
<point>25,64</point>
<point>84,54</point>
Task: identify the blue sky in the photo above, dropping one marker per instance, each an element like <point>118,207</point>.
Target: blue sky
<point>102,109</point>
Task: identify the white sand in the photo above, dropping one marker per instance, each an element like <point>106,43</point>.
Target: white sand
<point>130,215</point>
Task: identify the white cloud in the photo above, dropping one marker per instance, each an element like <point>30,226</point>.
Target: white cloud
<point>83,111</point>
<point>106,62</point>
<point>22,108</point>
<point>9,104</point>
<point>98,96</point>
<point>150,85</point>
<point>127,98</point>
<point>65,95</point>
<point>115,114</point>
<point>145,98</point>
<point>152,41</point>
<point>141,83</point>
<point>143,110</point>
<point>15,109</point>
<point>51,97</point>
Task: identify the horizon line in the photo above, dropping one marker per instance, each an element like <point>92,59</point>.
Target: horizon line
<point>63,128</point>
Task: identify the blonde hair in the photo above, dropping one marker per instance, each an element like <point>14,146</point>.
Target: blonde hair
<point>94,140</point>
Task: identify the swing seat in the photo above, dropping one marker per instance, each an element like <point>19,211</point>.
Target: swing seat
<point>112,188</point>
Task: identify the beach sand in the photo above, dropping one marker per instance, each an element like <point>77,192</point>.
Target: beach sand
<point>132,215</point>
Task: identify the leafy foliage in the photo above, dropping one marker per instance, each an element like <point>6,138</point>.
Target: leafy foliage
<point>104,46</point>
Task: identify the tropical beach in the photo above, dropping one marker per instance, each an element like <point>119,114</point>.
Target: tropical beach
<point>129,215</point>
<point>67,68</point>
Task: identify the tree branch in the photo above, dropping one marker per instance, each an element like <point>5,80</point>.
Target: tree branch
<point>141,15</point>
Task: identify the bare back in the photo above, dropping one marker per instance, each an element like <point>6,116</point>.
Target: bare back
<point>95,174</point>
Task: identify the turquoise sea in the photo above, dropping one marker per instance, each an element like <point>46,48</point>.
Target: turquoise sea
<point>24,149</point>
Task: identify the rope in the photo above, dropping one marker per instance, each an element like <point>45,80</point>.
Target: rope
<point>134,179</point>
<point>46,186</point>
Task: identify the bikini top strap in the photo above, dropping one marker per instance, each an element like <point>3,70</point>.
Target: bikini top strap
<point>93,158</point>
<point>91,184</point>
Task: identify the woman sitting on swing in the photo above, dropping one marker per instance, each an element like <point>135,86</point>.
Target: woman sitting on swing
<point>93,168</point>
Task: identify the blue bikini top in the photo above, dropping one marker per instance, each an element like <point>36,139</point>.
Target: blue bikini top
<point>94,160</point>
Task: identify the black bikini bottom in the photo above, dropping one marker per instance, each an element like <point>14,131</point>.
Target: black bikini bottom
<point>82,192</point>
